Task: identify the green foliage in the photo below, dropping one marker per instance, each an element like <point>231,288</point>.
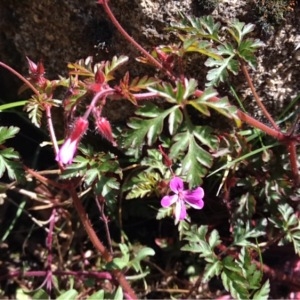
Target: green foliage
<point>99,295</point>
<point>246,176</point>
<point>178,94</point>
<point>69,295</point>
<point>202,35</point>
<point>145,182</point>
<point>132,257</point>
<point>289,223</point>
<point>9,158</point>
<point>35,110</point>
<point>86,67</point>
<point>188,143</point>
<point>204,27</point>
<point>195,159</point>
<point>239,276</point>
<point>200,242</point>
<point>149,126</point>
<point>99,171</point>
<point>222,106</point>
<point>220,68</point>
<point>243,233</point>
<point>136,85</point>
<point>263,292</point>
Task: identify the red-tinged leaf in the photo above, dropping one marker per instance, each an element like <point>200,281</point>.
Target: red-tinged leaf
<point>138,84</point>
<point>111,66</point>
<point>80,70</point>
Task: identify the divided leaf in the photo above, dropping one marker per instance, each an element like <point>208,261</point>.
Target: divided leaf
<point>149,128</point>
<point>238,30</point>
<point>9,163</point>
<point>7,133</point>
<point>178,94</point>
<point>219,73</point>
<point>196,159</point>
<point>136,85</point>
<point>200,27</point>
<point>35,109</point>
<point>111,66</point>
<point>221,105</point>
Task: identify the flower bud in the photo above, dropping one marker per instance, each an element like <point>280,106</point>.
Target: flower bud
<point>67,151</point>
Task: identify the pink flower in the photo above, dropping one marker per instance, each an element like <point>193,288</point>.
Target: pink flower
<point>67,151</point>
<point>193,198</point>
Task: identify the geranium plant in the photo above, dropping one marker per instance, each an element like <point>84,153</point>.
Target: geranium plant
<point>188,159</point>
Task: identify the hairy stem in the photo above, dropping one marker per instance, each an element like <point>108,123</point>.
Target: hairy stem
<point>97,97</point>
<point>130,39</point>
<point>118,275</point>
<point>294,161</point>
<point>256,97</point>
<point>20,77</point>
<point>49,241</point>
<point>100,201</point>
<point>259,125</point>
<point>51,128</point>
<point>252,121</point>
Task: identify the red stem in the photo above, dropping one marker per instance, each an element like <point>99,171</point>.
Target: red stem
<point>130,39</point>
<point>98,275</point>
<point>294,161</point>
<point>256,97</point>
<point>100,201</point>
<point>257,124</point>
<point>20,77</point>
<point>118,275</point>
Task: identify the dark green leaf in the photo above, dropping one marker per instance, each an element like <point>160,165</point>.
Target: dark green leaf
<point>144,184</point>
<point>178,94</point>
<point>150,128</point>
<point>196,159</point>
<point>201,27</point>
<point>263,292</point>
<point>211,270</point>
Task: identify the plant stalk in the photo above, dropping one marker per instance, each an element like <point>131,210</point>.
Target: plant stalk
<point>256,97</point>
<point>130,39</point>
<point>21,77</point>
<point>118,275</point>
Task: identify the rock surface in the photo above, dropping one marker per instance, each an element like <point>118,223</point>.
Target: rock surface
<point>59,32</point>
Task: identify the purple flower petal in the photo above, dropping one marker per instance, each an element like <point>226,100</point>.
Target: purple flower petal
<point>180,211</point>
<point>197,205</point>
<point>166,201</point>
<point>194,198</point>
<point>176,184</point>
<point>194,195</point>
<point>66,152</point>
